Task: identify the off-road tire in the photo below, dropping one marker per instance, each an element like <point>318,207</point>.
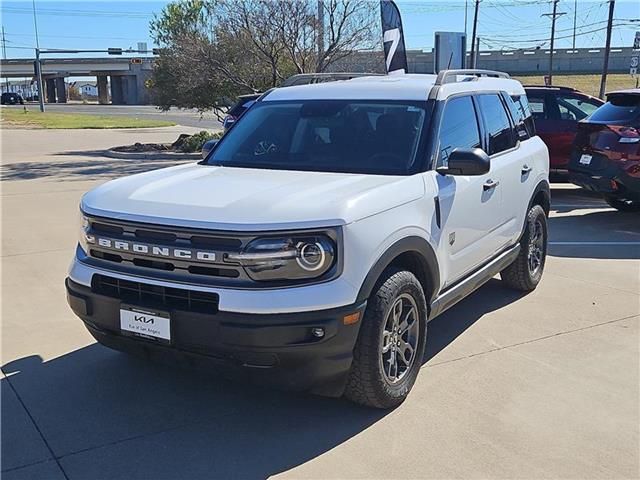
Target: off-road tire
<point>622,205</point>
<point>367,384</point>
<point>518,275</point>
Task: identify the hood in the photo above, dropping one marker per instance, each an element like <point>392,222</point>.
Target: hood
<point>224,198</point>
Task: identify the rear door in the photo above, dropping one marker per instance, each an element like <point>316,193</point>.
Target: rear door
<point>507,165</point>
<point>470,205</point>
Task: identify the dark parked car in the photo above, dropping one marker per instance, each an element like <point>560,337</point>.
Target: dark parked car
<point>556,112</point>
<point>238,109</point>
<point>606,153</point>
<point>11,98</point>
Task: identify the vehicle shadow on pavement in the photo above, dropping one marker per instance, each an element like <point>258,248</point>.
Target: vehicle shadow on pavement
<point>109,415</point>
<point>444,329</point>
<point>100,168</point>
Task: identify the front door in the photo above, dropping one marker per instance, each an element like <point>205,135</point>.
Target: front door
<point>470,206</point>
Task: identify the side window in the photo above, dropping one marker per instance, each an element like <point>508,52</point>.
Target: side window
<point>521,116</point>
<point>458,128</point>
<point>575,106</point>
<point>499,132</point>
<point>538,108</point>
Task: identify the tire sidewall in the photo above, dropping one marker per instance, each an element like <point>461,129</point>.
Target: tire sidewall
<point>535,213</point>
<point>397,392</point>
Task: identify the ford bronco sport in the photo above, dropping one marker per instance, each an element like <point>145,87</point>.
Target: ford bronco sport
<point>313,244</point>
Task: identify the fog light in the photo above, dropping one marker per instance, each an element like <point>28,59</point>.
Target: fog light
<point>317,332</point>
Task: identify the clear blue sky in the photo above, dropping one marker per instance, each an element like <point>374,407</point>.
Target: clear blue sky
<point>502,23</point>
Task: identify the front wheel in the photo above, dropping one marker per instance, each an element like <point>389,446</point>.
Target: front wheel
<point>622,205</point>
<point>525,272</point>
<point>391,343</point>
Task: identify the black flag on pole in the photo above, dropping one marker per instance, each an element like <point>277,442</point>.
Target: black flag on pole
<point>395,55</point>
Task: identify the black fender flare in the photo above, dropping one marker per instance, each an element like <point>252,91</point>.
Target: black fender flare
<point>543,186</point>
<point>413,244</point>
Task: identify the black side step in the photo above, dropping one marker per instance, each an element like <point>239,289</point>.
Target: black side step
<point>460,290</point>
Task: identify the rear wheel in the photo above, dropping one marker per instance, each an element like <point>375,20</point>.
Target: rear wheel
<point>622,205</point>
<point>526,270</point>
<point>390,347</point>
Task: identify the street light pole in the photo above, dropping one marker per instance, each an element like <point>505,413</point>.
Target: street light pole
<point>38,65</point>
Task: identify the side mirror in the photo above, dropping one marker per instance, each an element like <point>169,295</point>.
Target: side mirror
<point>208,146</point>
<point>466,161</point>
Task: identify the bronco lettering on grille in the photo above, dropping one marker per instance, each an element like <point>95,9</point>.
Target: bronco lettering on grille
<point>151,250</point>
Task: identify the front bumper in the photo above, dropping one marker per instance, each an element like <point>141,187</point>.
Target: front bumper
<point>276,349</point>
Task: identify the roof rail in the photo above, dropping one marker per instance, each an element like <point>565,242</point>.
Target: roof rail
<point>445,75</point>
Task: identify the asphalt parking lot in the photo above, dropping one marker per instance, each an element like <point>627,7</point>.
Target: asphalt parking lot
<point>545,385</point>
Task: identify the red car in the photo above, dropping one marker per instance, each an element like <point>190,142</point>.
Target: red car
<point>606,153</point>
<point>556,112</point>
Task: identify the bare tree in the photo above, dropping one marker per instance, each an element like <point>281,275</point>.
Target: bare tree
<point>213,50</point>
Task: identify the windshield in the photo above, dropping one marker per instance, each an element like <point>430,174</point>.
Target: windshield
<point>371,137</point>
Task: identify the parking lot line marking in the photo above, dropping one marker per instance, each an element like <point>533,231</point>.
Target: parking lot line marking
<point>594,243</point>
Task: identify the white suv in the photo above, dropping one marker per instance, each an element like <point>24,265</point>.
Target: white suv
<point>313,244</point>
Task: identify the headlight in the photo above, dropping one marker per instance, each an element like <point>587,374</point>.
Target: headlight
<point>287,258</point>
<point>84,236</point>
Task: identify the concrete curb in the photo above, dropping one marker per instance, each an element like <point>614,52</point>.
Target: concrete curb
<point>152,155</point>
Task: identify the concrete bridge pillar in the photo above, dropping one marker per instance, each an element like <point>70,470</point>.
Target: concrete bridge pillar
<point>131,90</point>
<point>51,90</point>
<point>61,90</point>
<point>103,94</point>
<point>117,97</point>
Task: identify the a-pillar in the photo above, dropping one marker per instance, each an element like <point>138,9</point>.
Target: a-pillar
<point>103,94</point>
<point>61,90</point>
<point>51,90</point>
<point>116,90</point>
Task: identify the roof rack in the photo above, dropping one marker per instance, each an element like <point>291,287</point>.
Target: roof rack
<point>445,76</point>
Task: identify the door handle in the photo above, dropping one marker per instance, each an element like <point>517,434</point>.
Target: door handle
<point>490,184</point>
<point>526,169</point>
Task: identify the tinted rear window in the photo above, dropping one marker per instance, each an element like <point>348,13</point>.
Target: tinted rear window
<point>619,109</point>
<point>497,123</point>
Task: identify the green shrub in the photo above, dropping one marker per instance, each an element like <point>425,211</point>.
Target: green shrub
<point>193,143</point>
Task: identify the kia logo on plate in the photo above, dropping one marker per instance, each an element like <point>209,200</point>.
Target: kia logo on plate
<point>143,319</point>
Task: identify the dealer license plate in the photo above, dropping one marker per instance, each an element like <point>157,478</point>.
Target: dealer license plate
<point>585,159</point>
<point>145,323</point>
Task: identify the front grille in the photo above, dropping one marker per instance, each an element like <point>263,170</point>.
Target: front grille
<point>167,239</point>
<point>164,298</point>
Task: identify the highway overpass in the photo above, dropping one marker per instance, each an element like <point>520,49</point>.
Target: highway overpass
<point>127,75</point>
<point>124,76</point>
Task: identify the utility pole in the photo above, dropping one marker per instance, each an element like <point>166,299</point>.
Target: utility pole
<point>320,34</point>
<point>575,16</point>
<point>473,35</point>
<point>466,5</point>
<point>553,16</point>
<point>4,54</point>
<point>38,65</point>
<point>605,68</point>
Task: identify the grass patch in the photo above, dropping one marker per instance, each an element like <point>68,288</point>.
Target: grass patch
<point>589,84</point>
<point>36,119</point>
